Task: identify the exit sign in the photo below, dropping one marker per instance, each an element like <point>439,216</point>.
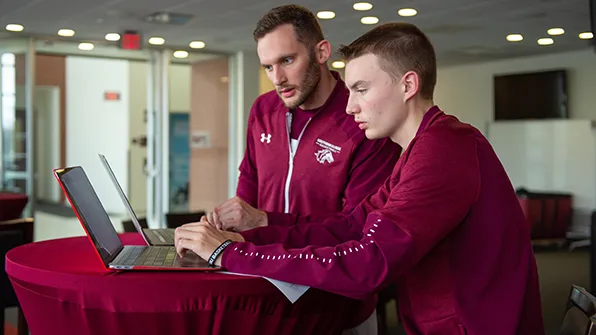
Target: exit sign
<point>131,40</point>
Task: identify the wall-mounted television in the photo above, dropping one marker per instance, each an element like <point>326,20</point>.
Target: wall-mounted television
<point>531,96</point>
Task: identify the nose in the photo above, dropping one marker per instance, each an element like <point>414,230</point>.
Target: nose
<point>352,107</point>
<point>278,76</point>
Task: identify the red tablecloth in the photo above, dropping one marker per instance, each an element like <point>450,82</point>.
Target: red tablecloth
<point>63,289</point>
<point>12,205</point>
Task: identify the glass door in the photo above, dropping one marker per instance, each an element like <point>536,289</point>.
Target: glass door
<point>16,108</point>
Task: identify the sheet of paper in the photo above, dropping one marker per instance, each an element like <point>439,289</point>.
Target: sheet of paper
<point>291,291</point>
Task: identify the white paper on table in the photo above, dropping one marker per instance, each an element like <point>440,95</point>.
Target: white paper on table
<point>291,291</point>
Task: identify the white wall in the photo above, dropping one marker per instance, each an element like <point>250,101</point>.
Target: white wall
<point>96,126</point>
<point>550,152</point>
<point>467,91</point>
<point>179,102</point>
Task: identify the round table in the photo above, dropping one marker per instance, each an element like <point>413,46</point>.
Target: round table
<point>64,289</point>
<point>12,205</point>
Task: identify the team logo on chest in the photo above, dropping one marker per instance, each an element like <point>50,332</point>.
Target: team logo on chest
<point>325,154</point>
<point>265,138</point>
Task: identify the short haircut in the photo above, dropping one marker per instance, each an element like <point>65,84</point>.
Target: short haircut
<point>400,47</point>
<point>306,26</point>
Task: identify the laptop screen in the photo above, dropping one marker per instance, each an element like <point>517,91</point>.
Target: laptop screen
<point>91,212</point>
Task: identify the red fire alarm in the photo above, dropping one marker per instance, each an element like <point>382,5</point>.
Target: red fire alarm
<point>131,40</point>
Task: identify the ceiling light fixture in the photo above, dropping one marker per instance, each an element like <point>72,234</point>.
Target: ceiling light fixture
<point>113,37</point>
<point>362,6</point>
<point>180,54</point>
<point>338,64</point>
<point>157,41</point>
<point>86,46</point>
<point>515,38</point>
<point>587,35</point>
<point>555,31</point>
<point>369,20</point>
<point>197,44</point>
<point>545,41</point>
<point>66,32</point>
<point>326,15</point>
<point>14,27</point>
<point>407,12</point>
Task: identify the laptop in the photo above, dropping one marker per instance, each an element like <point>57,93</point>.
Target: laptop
<point>98,227</point>
<point>163,236</point>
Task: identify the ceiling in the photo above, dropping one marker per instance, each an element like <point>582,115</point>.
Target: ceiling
<point>462,31</point>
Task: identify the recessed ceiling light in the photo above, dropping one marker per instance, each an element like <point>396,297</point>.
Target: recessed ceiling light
<point>14,27</point>
<point>156,41</point>
<point>113,37</point>
<point>66,32</point>
<point>325,15</point>
<point>586,35</point>
<point>338,64</point>
<point>407,12</point>
<point>362,6</point>
<point>515,38</point>
<point>555,31</point>
<point>86,46</point>
<point>180,54</point>
<point>197,44</point>
<point>545,41</point>
<point>369,20</point>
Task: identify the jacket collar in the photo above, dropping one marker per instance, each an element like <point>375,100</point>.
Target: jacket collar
<point>429,117</point>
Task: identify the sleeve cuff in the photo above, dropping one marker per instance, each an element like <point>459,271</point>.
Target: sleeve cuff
<point>225,255</point>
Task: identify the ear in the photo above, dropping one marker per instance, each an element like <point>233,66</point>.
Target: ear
<point>323,51</point>
<point>411,84</point>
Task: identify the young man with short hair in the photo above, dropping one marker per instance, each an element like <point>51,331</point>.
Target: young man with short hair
<point>446,226</point>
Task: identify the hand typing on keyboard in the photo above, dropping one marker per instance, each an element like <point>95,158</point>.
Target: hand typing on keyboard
<point>202,239</point>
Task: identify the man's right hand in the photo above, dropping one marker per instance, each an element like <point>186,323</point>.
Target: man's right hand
<point>237,215</point>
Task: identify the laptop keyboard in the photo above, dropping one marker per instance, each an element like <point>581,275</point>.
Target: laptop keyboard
<point>164,235</point>
<point>153,256</point>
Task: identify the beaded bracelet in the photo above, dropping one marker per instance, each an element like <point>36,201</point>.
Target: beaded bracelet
<point>218,251</point>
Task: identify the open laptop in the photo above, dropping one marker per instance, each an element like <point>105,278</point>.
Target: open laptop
<point>164,236</point>
<point>98,227</point>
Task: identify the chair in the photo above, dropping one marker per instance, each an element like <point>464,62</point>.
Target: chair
<point>579,316</point>
<point>13,233</point>
<point>385,296</point>
<point>129,226</point>
<point>174,220</point>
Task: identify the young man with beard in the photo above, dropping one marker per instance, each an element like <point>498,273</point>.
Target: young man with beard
<point>446,226</point>
<point>304,155</point>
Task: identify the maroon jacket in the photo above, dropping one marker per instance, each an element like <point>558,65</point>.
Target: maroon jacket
<point>447,227</point>
<point>334,166</point>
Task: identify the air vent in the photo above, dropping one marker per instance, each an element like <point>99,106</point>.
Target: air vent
<point>169,18</point>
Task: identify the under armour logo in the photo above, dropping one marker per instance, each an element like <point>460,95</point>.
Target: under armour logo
<point>265,138</point>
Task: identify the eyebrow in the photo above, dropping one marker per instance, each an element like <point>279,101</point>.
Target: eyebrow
<point>281,58</point>
<point>358,83</point>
